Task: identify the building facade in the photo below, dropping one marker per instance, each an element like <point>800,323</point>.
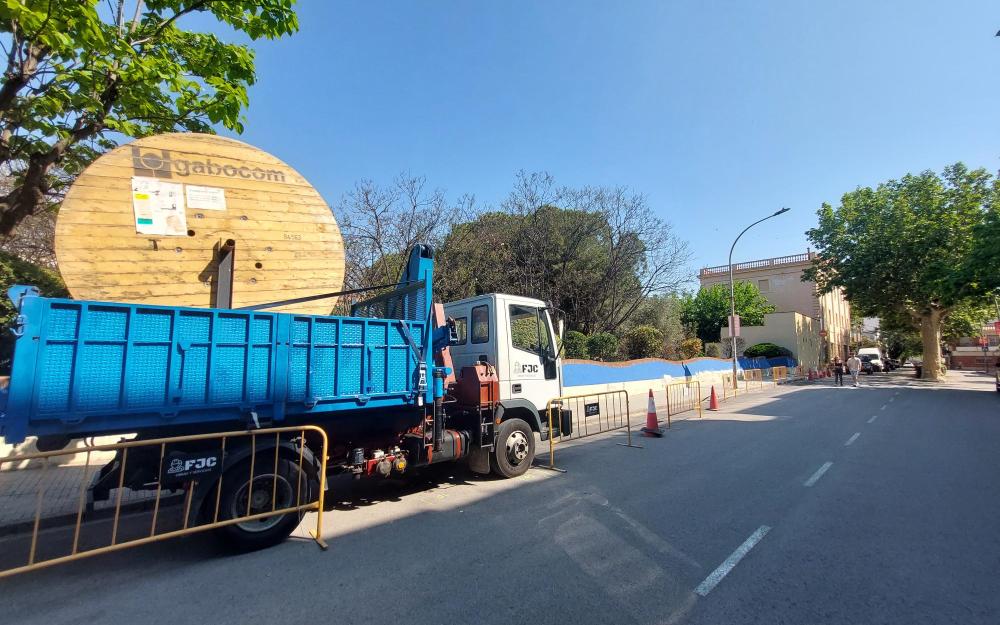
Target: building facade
<point>780,281</point>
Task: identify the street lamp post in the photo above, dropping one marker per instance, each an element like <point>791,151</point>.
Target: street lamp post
<point>732,288</point>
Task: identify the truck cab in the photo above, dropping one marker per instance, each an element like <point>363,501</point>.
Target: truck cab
<point>515,335</point>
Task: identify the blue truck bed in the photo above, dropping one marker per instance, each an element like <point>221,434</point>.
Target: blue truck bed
<point>82,368</point>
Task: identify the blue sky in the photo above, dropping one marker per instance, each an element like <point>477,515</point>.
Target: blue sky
<point>719,112</point>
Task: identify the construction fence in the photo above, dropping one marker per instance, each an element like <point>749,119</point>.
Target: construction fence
<point>163,488</point>
<point>578,416</point>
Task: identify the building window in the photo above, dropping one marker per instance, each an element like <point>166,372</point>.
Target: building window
<point>764,285</point>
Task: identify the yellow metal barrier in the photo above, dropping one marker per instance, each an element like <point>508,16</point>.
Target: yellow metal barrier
<point>728,388</point>
<point>590,414</point>
<point>779,374</point>
<point>190,458</point>
<point>753,378</point>
<point>683,396</point>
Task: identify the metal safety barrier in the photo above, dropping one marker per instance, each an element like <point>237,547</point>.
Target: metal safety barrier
<point>683,396</point>
<point>729,389</point>
<point>172,465</point>
<point>779,374</point>
<point>589,414</point>
<point>753,379</point>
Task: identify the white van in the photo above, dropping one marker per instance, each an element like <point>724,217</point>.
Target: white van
<point>877,359</point>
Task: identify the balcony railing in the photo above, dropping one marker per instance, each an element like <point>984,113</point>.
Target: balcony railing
<point>754,265</point>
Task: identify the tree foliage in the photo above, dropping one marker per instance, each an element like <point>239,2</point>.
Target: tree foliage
<point>597,253</point>
<point>766,350</point>
<point>912,250</point>
<point>575,345</point>
<point>13,271</point>
<point>602,346</point>
<point>663,312</point>
<point>707,311</point>
<point>642,342</point>
<point>81,76</point>
<point>691,348</point>
<point>380,223</point>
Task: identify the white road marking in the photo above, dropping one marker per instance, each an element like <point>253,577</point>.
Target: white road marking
<point>852,439</point>
<point>716,576</point>
<point>892,399</point>
<point>883,406</point>
<point>896,393</point>
<point>818,474</point>
<point>874,416</point>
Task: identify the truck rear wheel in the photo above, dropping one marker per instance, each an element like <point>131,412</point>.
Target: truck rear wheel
<point>515,449</point>
<point>270,490</point>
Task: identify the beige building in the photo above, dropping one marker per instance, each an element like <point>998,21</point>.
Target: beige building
<point>794,331</point>
<point>780,281</point>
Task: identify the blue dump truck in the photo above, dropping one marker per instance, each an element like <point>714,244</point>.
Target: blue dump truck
<point>381,383</point>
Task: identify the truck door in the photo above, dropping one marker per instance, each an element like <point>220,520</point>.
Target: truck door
<point>532,370</point>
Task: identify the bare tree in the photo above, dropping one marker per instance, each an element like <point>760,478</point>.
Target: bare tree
<point>381,223</point>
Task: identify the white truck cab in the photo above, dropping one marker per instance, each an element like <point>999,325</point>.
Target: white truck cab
<point>514,334</point>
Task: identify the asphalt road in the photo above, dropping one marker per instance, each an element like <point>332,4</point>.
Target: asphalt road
<point>901,526</point>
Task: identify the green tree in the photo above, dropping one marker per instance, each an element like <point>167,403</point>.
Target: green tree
<point>642,342</point>
<point>766,350</point>
<point>80,78</point>
<point>575,345</point>
<point>691,348</point>
<point>602,346</point>
<point>596,253</point>
<point>713,350</point>
<point>13,271</point>
<point>707,311</point>
<point>663,312</point>
<point>909,250</point>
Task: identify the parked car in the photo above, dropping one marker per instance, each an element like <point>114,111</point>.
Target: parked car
<point>866,364</point>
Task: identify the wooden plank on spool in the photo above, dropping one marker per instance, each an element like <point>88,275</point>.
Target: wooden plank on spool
<point>288,244</point>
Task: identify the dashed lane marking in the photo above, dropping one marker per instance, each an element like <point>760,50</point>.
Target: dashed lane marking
<point>874,416</point>
<point>818,474</point>
<point>852,439</point>
<point>730,563</point>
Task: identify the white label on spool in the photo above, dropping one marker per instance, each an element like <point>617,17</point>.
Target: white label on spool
<point>209,198</point>
<point>158,207</point>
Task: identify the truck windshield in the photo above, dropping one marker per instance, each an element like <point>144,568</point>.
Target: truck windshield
<point>528,330</point>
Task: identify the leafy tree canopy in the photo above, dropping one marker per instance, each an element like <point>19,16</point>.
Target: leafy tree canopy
<point>642,342</point>
<point>707,311</point>
<point>766,350</point>
<point>913,249</point>
<point>602,346</point>
<point>575,345</point>
<point>82,75</point>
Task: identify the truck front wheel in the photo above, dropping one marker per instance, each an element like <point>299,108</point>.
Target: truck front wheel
<point>269,490</point>
<point>515,449</point>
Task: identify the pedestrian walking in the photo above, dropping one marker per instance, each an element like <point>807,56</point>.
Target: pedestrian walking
<point>854,366</point>
<point>838,371</point>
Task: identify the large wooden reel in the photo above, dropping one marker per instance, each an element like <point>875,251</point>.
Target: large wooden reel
<point>147,223</point>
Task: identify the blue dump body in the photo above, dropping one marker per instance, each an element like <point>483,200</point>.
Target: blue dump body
<point>83,368</point>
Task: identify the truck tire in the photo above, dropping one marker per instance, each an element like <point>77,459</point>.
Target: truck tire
<point>515,449</point>
<point>285,485</point>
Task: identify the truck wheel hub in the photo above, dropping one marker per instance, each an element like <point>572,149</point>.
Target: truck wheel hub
<point>517,447</point>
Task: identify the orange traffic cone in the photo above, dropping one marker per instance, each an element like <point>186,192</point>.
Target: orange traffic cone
<point>652,427</point>
<point>713,401</point>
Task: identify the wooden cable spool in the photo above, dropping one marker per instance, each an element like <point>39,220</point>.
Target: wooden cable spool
<point>150,221</point>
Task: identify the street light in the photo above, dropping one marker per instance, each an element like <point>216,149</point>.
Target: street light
<point>732,287</point>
